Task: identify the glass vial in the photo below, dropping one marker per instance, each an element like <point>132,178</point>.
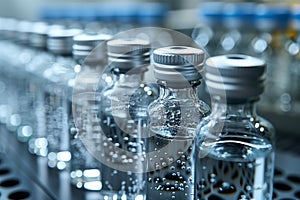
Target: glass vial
<point>85,169</point>
<point>9,96</point>
<point>234,146</point>
<point>123,121</point>
<point>174,117</point>
<point>59,79</point>
<point>25,88</point>
<point>37,143</point>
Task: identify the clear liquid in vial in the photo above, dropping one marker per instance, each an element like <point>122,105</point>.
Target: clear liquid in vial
<point>120,148</point>
<point>236,167</point>
<point>171,169</point>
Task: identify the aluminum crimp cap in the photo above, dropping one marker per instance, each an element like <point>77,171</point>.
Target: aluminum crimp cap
<point>84,44</point>
<point>178,63</point>
<point>23,31</point>
<point>240,76</point>
<point>38,34</point>
<point>60,41</point>
<point>128,53</point>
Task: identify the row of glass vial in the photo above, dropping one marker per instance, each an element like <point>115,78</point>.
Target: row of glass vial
<point>160,159</point>
<point>38,74</point>
<point>269,31</point>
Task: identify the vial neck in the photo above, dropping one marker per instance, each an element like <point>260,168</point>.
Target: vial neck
<point>121,77</point>
<point>245,109</point>
<point>177,93</point>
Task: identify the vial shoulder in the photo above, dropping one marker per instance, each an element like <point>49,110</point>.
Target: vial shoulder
<point>255,127</point>
<point>194,104</point>
<point>233,142</point>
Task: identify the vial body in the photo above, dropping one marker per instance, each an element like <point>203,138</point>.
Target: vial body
<point>85,168</point>
<point>234,146</point>
<point>59,78</point>
<point>238,164</point>
<point>173,120</point>
<point>123,122</point>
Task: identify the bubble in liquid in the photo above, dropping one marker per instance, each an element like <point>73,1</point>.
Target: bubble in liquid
<point>170,159</point>
<point>227,188</point>
<point>157,167</point>
<point>248,187</point>
<point>201,185</point>
<point>158,180</point>
<point>188,170</point>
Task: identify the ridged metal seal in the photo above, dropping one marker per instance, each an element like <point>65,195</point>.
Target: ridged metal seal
<point>38,35</point>
<point>240,76</point>
<point>60,41</point>
<point>23,31</point>
<point>128,53</point>
<point>178,64</point>
<point>83,45</point>
<point>8,27</point>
